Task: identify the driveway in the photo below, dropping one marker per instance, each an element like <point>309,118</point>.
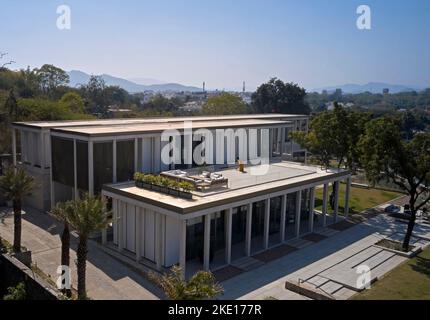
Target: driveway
<point>107,278</point>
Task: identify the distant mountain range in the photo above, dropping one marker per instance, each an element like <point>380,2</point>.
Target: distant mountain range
<point>373,87</point>
<point>79,78</point>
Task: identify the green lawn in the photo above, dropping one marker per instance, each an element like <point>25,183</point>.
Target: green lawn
<point>410,280</point>
<point>360,198</point>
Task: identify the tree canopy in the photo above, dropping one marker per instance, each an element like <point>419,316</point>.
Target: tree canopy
<point>224,104</point>
<point>276,96</point>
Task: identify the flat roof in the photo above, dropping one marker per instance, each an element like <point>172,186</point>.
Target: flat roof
<point>280,176</point>
<point>129,121</point>
<point>141,128</point>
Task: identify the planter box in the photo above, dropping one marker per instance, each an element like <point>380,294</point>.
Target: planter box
<point>185,195</point>
<point>174,192</point>
<point>139,184</point>
<point>156,188</point>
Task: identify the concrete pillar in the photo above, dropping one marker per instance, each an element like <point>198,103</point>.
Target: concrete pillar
<point>120,221</point>
<point>311,209</point>
<point>75,171</point>
<point>248,237</point>
<point>207,242</point>
<point>298,212</point>
<point>14,147</point>
<point>138,233</point>
<point>325,204</point>
<point>266,223</point>
<point>347,196</point>
<point>42,151</point>
<point>114,162</point>
<point>136,151</point>
<point>158,234</point>
<point>283,217</point>
<point>182,245</point>
<point>228,230</point>
<point>90,168</point>
<point>336,200</point>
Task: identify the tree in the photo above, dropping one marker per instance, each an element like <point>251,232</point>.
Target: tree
<point>63,211</point>
<point>334,135</point>
<point>16,293</point>
<point>51,77</point>
<point>86,216</point>
<point>11,105</point>
<point>73,102</point>
<point>202,285</point>
<point>407,164</point>
<point>16,184</point>
<point>224,104</point>
<point>276,96</point>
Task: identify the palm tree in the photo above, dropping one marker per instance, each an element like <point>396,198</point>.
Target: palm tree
<point>15,185</point>
<point>201,285</point>
<point>63,211</point>
<point>86,216</point>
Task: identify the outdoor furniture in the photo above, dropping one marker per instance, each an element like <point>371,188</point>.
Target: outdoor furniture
<point>202,181</point>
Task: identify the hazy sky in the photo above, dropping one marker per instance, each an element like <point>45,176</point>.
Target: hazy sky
<point>224,42</point>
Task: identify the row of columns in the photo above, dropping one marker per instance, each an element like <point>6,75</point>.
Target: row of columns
<point>248,236</point>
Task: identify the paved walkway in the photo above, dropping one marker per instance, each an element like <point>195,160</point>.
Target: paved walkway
<point>328,258</point>
<point>107,278</point>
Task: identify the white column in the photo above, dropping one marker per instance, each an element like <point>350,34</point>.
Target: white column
<point>75,171</point>
<point>120,221</point>
<point>136,150</point>
<point>248,237</point>
<point>266,223</point>
<point>298,209</point>
<point>182,245</point>
<point>114,165</point>
<point>336,200</point>
<point>347,196</point>
<point>311,209</point>
<point>14,146</point>
<point>325,204</point>
<point>283,216</point>
<point>158,232</point>
<point>138,233</point>
<point>104,230</point>
<point>228,230</point>
<point>207,242</point>
<point>90,168</point>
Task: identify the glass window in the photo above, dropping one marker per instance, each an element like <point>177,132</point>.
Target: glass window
<point>82,165</point>
<point>124,160</point>
<point>103,163</point>
<point>62,161</point>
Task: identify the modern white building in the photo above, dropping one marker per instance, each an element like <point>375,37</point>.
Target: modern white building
<point>72,157</point>
<point>247,215</point>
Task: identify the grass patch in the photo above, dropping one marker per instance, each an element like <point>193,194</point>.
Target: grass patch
<point>410,280</point>
<point>360,198</point>
<point>393,245</point>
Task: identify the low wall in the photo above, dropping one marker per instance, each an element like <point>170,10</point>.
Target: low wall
<point>12,272</point>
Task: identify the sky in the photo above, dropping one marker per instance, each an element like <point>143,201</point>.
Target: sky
<point>314,43</point>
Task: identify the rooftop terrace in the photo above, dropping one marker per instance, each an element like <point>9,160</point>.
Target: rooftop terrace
<point>280,176</point>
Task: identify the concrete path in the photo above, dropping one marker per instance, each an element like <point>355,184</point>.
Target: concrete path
<point>107,278</point>
<point>322,261</point>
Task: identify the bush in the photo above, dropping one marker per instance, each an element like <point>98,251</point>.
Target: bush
<point>16,293</point>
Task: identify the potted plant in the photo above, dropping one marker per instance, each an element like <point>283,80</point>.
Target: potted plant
<point>156,183</point>
<point>138,179</point>
<point>185,190</point>
<point>146,181</point>
<point>165,184</point>
<point>174,188</point>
